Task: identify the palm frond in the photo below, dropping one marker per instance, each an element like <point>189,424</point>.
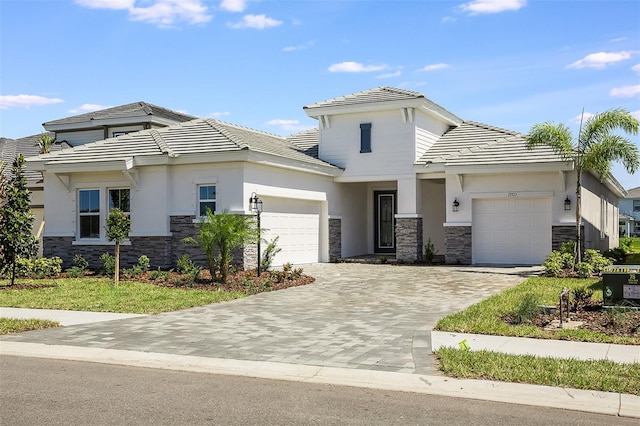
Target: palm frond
<point>556,136</point>
<point>601,125</point>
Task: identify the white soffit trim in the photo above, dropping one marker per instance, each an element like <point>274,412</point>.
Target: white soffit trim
<point>509,168</point>
<point>513,194</point>
<point>290,164</point>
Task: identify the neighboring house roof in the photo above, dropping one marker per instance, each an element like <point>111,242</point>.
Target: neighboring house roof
<point>134,112</point>
<point>306,141</point>
<point>28,147</point>
<point>380,98</point>
<point>477,144</point>
<point>633,192</point>
<point>198,140</point>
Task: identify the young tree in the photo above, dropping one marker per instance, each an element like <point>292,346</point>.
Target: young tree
<point>223,232</point>
<point>16,220</point>
<point>118,228</point>
<point>595,149</point>
<point>45,142</point>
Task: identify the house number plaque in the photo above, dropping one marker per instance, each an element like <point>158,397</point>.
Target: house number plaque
<point>512,194</point>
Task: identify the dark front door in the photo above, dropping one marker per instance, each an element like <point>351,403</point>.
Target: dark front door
<point>385,223</point>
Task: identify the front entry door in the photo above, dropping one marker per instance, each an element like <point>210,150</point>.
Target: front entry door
<point>385,223</point>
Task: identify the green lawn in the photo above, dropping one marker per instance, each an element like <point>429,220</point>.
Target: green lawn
<point>484,317</point>
<point>14,325</point>
<point>100,295</point>
<point>633,258</point>
<point>606,376</point>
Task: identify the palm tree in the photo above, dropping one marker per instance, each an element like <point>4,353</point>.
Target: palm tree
<point>45,142</point>
<point>596,148</point>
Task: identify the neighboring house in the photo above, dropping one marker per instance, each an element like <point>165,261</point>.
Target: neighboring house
<point>386,170</point>
<point>630,213</point>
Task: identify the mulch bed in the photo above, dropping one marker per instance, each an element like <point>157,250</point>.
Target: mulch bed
<point>594,317</point>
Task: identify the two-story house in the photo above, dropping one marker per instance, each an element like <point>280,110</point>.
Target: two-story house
<point>386,170</point>
<point>630,213</point>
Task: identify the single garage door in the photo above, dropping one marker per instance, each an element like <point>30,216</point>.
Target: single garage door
<point>514,231</point>
<point>297,224</point>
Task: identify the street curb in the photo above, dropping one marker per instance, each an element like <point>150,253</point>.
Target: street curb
<point>543,396</point>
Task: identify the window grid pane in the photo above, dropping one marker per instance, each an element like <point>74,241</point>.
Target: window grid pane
<point>206,199</point>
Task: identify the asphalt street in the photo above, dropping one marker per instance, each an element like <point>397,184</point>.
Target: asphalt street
<point>53,392</point>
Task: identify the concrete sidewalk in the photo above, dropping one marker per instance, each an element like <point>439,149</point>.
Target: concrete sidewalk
<point>65,318</point>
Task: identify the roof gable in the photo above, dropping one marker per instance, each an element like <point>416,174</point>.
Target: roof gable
<point>378,94</point>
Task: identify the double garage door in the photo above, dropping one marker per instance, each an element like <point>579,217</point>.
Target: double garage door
<point>297,224</point>
<point>514,231</point>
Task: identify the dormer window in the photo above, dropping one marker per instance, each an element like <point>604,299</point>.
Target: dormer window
<point>365,137</point>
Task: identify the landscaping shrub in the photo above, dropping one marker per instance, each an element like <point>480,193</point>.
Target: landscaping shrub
<point>553,264</point>
<point>42,267</point>
<point>430,252</point>
<point>269,253</point>
<point>80,266</point>
<point>597,260</point>
<point>108,264</point>
<point>187,267</point>
<point>618,254</point>
<point>584,269</point>
<point>140,268</point>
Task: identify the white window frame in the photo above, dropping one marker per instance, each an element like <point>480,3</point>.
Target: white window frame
<point>86,214</point>
<point>604,218</point>
<point>635,205</point>
<point>205,200</point>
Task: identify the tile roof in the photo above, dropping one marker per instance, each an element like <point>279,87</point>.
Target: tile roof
<point>135,109</point>
<point>199,136</point>
<point>379,94</point>
<point>306,141</point>
<point>28,147</point>
<point>474,143</point>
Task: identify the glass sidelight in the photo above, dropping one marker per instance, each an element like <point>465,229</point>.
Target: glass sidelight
<point>385,211</point>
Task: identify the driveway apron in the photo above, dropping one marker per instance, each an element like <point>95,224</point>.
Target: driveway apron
<point>375,317</point>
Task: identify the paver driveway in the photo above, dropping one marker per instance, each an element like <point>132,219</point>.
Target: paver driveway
<point>375,317</point>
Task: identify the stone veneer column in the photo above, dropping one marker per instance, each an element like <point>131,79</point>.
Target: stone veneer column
<point>457,242</point>
<point>335,238</point>
<point>564,233</point>
<point>408,239</point>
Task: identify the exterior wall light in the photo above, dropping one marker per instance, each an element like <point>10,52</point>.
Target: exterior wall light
<point>567,203</point>
<point>255,205</point>
<point>456,205</point>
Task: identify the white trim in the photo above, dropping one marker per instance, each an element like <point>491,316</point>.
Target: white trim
<point>60,234</point>
<point>374,178</point>
<point>408,216</point>
<point>331,216</point>
<point>204,180</point>
<point>513,194</point>
<point>456,224</point>
<point>149,234</point>
<point>279,192</point>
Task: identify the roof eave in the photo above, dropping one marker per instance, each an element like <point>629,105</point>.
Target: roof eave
<point>553,166</point>
<point>291,164</point>
<point>100,123</point>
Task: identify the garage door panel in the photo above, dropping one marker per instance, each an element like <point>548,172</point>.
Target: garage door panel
<point>299,236</point>
<point>511,231</point>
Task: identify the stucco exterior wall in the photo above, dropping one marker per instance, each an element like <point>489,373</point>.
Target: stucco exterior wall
<point>433,210</point>
<point>86,136</point>
<point>599,214</point>
<point>392,144</point>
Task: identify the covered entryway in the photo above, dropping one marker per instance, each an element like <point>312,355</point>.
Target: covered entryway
<point>297,224</point>
<point>512,231</point>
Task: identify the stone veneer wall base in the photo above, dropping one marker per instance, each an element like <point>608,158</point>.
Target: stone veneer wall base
<point>408,239</point>
<point>335,239</point>
<point>457,242</point>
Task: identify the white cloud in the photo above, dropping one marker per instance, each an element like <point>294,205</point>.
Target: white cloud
<point>625,91</point>
<point>390,75</point>
<point>477,7</point>
<point>448,19</point>
<point>581,118</point>
<point>355,67</point>
<point>258,22</point>
<point>434,67</point>
<point>600,60</point>
<point>636,68</point>
<point>289,125</point>
<point>106,4</point>
<point>619,39</point>
<point>26,101</point>
<point>219,114</point>
<point>233,5</point>
<point>164,13</point>
<point>87,108</point>
<point>299,47</point>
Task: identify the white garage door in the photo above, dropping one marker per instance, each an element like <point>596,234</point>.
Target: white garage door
<point>299,236</point>
<point>512,231</point>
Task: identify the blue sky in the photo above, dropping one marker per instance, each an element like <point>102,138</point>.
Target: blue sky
<point>508,63</point>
